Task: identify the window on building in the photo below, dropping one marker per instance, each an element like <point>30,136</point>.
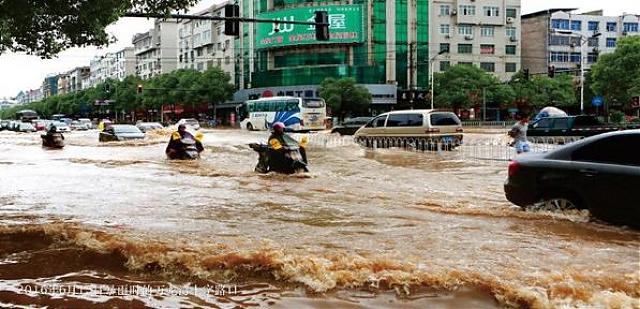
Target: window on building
<point>467,10</point>
<point>200,52</point>
<point>594,26</point>
<point>487,49</point>
<point>612,27</point>
<point>465,48</point>
<point>592,57</point>
<point>511,32</point>
<point>465,30</point>
<point>593,42</point>
<point>576,25</point>
<point>200,66</point>
<point>445,47</point>
<point>444,65</point>
<point>488,66</point>
<point>510,49</point>
<point>562,24</point>
<point>445,10</point>
<point>510,67</point>
<point>487,31</point>
<point>575,57</point>
<point>630,27</point>
<point>559,57</point>
<point>611,42</point>
<point>512,12</point>
<point>444,29</point>
<point>491,11</point>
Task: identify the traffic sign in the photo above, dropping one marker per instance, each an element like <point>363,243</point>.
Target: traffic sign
<point>597,101</point>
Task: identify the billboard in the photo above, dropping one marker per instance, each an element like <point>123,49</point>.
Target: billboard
<point>345,26</point>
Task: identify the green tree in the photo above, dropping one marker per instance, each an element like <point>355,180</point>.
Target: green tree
<point>616,76</point>
<point>466,86</point>
<point>46,27</point>
<point>557,91</point>
<point>345,97</point>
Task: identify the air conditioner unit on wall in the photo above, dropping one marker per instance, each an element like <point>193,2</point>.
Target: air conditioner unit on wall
<point>468,37</point>
<point>454,12</point>
<point>510,20</point>
<point>447,36</point>
<point>513,39</point>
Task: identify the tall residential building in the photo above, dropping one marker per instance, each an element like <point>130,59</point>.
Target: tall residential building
<point>383,45</point>
<point>484,33</point>
<point>156,51</point>
<point>560,38</point>
<point>50,86</point>
<point>63,83</point>
<point>116,66</point>
<point>203,45</point>
<point>76,77</point>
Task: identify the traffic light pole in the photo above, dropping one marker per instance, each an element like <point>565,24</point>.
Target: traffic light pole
<point>219,18</point>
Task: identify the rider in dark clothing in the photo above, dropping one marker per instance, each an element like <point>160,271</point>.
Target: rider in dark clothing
<point>278,141</point>
<point>175,143</point>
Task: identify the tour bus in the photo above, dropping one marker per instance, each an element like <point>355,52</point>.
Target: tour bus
<point>26,115</point>
<point>297,114</point>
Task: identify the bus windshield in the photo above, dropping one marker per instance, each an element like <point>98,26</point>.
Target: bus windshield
<point>313,103</point>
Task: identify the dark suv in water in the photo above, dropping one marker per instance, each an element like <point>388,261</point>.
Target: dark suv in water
<point>570,126</point>
<point>600,173</point>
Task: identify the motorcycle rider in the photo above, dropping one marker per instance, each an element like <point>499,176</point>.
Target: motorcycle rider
<point>175,143</point>
<point>277,147</point>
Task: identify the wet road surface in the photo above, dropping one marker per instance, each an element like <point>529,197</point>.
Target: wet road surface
<point>384,228</point>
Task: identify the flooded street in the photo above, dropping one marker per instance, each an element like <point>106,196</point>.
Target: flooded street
<point>365,229</point>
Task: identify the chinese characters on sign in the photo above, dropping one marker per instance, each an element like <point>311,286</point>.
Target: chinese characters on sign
<point>345,26</point>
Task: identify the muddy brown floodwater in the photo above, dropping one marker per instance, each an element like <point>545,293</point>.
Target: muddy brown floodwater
<point>117,225</point>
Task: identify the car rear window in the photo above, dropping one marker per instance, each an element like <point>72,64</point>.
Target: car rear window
<point>444,119</point>
<point>561,123</point>
<point>586,121</point>
<point>617,149</point>
<point>405,120</point>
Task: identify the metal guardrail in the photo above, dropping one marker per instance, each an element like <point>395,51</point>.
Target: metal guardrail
<point>493,124</point>
<point>476,150</point>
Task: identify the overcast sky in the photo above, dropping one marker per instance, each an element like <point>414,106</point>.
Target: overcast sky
<point>22,72</point>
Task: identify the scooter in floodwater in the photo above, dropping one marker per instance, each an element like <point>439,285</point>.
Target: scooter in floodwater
<point>184,145</point>
<point>187,150</point>
<point>290,159</point>
<point>53,139</point>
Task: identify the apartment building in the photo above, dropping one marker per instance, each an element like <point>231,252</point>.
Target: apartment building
<point>562,39</point>
<point>76,78</point>
<point>484,33</point>
<point>116,66</point>
<point>203,45</point>
<point>156,51</point>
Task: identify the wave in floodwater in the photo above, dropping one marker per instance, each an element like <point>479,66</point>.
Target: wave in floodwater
<point>155,262</point>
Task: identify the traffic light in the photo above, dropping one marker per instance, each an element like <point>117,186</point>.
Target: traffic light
<point>322,31</point>
<point>139,88</point>
<point>552,71</point>
<point>635,102</point>
<point>231,27</point>
<point>526,74</point>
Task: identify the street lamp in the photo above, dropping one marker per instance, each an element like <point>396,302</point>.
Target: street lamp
<point>583,41</point>
<point>431,62</point>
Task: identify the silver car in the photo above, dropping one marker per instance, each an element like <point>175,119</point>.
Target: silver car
<point>120,132</point>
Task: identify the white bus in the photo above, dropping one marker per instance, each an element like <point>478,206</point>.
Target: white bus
<point>297,114</point>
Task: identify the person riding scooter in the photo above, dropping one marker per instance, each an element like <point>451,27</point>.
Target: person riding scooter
<point>53,138</point>
<point>184,145</point>
<point>286,155</point>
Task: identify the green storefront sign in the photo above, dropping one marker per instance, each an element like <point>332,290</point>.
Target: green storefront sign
<point>345,26</point>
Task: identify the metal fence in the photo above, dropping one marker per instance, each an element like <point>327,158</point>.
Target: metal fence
<point>484,149</point>
<point>485,124</point>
